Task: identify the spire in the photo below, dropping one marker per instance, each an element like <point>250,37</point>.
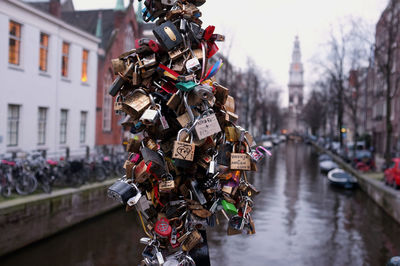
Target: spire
<point>296,55</point>
<point>99,29</point>
<point>119,6</point>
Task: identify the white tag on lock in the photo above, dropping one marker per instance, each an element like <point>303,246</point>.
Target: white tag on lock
<point>193,65</point>
<point>207,126</point>
<point>132,201</point>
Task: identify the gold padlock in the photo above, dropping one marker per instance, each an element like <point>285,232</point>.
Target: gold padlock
<point>231,134</point>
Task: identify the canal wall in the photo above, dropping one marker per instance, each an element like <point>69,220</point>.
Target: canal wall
<point>385,196</point>
<point>31,218</point>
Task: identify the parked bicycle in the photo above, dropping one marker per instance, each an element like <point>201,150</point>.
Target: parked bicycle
<point>16,175</point>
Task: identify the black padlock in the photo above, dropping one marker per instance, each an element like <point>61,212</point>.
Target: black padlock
<point>224,154</point>
<point>119,82</point>
<point>154,159</point>
<point>168,35</point>
<point>122,191</point>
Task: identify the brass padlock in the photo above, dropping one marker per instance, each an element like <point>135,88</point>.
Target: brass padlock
<point>174,101</point>
<point>118,104</point>
<point>179,66</point>
<point>140,172</point>
<point>240,161</point>
<point>183,150</point>
<point>221,93</point>
<point>191,241</point>
<point>136,78</point>
<point>230,104</point>
<point>150,143</point>
<point>136,103</point>
<point>118,65</point>
<point>129,167</point>
<point>133,145</point>
<point>167,184</point>
<point>198,53</point>
<point>175,54</point>
<point>149,61</point>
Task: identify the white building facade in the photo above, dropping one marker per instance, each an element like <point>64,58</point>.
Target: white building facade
<point>48,80</point>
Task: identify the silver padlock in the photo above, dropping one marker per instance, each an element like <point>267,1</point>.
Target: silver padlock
<point>150,116</point>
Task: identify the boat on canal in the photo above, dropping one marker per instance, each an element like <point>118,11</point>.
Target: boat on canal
<point>341,178</point>
<point>327,165</point>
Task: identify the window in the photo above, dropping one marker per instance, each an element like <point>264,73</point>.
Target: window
<point>82,130</point>
<point>14,43</point>
<point>85,56</point>
<point>43,52</point>
<point>63,126</point>
<point>129,38</point>
<point>13,125</point>
<point>107,103</point>
<point>64,59</point>
<point>42,118</point>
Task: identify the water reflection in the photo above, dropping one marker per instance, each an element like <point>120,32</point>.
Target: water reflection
<point>300,220</point>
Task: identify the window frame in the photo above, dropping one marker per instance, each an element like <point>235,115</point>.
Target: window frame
<point>45,48</point>
<point>42,126</point>
<point>85,64</point>
<point>63,126</point>
<point>107,107</point>
<point>18,40</point>
<point>83,127</point>
<point>13,119</point>
<point>65,64</point>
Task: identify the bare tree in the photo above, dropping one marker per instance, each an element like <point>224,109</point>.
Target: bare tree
<point>347,50</point>
<point>314,112</point>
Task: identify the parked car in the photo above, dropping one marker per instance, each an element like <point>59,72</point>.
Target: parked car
<point>362,160</point>
<point>392,174</point>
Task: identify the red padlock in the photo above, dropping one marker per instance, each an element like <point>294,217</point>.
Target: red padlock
<point>162,228</point>
<point>208,32</point>
<point>154,46</point>
<point>212,49</point>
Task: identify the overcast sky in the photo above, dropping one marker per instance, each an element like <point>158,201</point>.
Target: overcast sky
<point>265,29</point>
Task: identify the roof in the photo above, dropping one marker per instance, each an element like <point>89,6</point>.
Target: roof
<point>87,21</point>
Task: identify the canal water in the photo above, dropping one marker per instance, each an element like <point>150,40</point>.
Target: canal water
<point>300,220</point>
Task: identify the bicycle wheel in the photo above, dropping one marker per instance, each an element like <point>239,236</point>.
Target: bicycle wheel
<point>100,173</point>
<point>6,190</point>
<point>26,184</point>
<point>46,186</point>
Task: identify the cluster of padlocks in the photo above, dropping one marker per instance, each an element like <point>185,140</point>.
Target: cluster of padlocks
<point>187,157</point>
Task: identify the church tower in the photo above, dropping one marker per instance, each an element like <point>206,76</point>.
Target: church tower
<point>295,85</point>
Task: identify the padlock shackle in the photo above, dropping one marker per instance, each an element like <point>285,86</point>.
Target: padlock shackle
<point>203,70</point>
<point>264,149</point>
<point>188,109</point>
<point>178,137</point>
<point>241,143</point>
